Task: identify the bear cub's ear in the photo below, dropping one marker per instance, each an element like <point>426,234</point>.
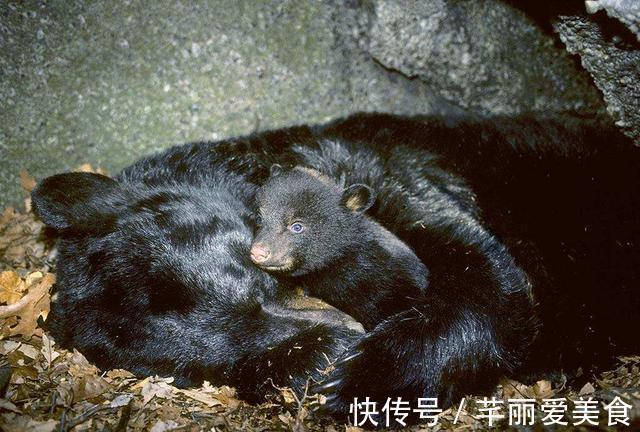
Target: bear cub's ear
<point>83,201</point>
<point>358,198</point>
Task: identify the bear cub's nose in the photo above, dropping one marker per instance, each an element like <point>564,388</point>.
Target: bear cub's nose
<point>259,253</point>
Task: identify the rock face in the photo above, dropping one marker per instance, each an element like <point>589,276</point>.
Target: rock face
<point>615,70</point>
<point>610,56</point>
<point>94,82</point>
<point>627,11</point>
<point>483,55</point>
<point>84,81</point>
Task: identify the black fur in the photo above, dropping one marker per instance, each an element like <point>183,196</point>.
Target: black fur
<point>340,255</point>
<point>166,286</point>
<point>528,227</point>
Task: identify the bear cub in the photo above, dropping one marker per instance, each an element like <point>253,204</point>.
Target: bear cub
<point>318,237</point>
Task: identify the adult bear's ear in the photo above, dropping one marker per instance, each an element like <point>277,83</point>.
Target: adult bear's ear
<point>275,170</point>
<point>358,198</point>
<point>82,201</point>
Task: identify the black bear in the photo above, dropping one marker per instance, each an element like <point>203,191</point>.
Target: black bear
<point>155,278</point>
<point>318,235</point>
<point>528,227</point>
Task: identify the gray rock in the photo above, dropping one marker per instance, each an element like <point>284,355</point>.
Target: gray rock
<point>106,82</point>
<point>485,56</point>
<point>615,70</point>
<point>372,86</point>
<point>627,11</point>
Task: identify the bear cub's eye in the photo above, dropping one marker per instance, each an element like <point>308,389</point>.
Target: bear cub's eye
<point>296,228</point>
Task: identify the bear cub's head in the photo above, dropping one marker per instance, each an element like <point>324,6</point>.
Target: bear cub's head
<point>306,221</point>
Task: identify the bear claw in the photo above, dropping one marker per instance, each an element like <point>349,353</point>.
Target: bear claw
<point>323,387</point>
<point>346,359</point>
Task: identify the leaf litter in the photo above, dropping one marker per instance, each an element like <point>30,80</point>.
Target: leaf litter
<point>45,388</point>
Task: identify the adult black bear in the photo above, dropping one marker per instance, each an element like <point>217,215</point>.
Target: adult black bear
<point>529,228</point>
<point>315,234</point>
<point>156,278</point>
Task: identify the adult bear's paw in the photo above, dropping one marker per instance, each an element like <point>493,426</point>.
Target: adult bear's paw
<point>411,356</point>
<point>381,366</point>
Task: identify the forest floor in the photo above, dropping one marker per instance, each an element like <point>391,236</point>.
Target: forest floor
<point>46,388</point>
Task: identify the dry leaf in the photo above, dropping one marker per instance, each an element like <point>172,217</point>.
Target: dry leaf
<point>29,351</point>
<point>543,389</point>
<point>287,395</point>
<point>8,346</point>
<point>11,287</point>
<point>156,387</point>
<point>79,365</point>
<point>119,374</point>
<point>208,388</point>
<point>21,317</point>
<point>121,400</point>
<point>27,182</point>
<point>47,350</point>
<point>86,167</point>
<point>586,389</point>
<point>26,424</point>
<point>226,395</point>
<point>162,426</point>
<point>45,426</point>
<point>20,242</point>
<point>512,389</point>
<point>89,387</point>
<point>8,406</point>
<point>167,411</point>
<point>287,419</point>
<point>65,394</point>
<point>200,397</point>
<point>140,421</point>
